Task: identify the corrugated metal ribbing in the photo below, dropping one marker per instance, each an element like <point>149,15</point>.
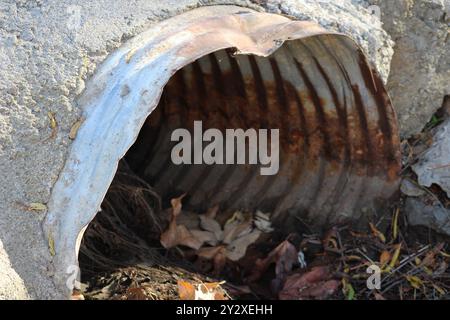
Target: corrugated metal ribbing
<point>338,141</point>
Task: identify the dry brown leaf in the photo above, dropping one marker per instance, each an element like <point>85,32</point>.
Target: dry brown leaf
<point>429,259</point>
<point>36,206</point>
<point>76,295</point>
<point>234,251</point>
<point>177,205</point>
<point>211,225</point>
<point>377,233</point>
<point>178,234</point>
<point>237,235</point>
<point>169,238</point>
<point>185,237</point>
<point>51,244</point>
<point>385,257</point>
<point>228,231</point>
<point>205,237</point>
<point>74,129</point>
<point>236,229</point>
<point>237,248</point>
<point>186,290</point>
<point>53,124</point>
<point>284,256</point>
<point>320,291</point>
<point>201,291</point>
<point>353,258</point>
<point>216,289</point>
<point>314,284</point>
<point>209,252</point>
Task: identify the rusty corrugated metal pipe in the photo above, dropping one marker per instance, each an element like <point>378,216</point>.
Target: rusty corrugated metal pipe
<point>233,67</point>
<point>338,148</point>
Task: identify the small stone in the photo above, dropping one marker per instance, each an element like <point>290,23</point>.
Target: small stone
<point>434,165</point>
<point>433,216</point>
<point>411,189</point>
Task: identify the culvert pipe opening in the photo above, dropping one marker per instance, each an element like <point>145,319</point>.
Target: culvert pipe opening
<point>320,154</point>
<point>287,84</point>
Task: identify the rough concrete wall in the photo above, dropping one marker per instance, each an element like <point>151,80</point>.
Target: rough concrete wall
<point>46,55</point>
<point>11,285</point>
<point>420,69</point>
<point>345,16</point>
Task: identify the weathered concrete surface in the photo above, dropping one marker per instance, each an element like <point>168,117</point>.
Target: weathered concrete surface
<point>11,285</point>
<point>46,55</point>
<point>345,16</point>
<point>420,69</point>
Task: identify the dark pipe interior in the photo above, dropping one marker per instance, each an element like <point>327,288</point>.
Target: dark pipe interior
<point>223,91</point>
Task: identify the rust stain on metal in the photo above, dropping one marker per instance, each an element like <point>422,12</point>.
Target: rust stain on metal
<point>339,148</point>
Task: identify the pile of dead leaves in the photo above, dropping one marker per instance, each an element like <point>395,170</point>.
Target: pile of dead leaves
<point>283,268</point>
<point>161,282</point>
<point>211,240</point>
